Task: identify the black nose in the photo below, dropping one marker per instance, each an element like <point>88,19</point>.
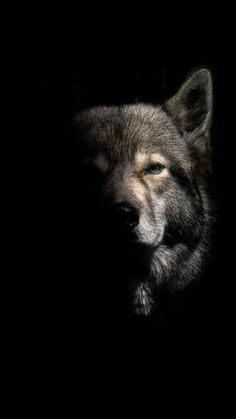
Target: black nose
<point>126,215</point>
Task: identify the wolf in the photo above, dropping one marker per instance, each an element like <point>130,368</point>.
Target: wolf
<point>145,172</point>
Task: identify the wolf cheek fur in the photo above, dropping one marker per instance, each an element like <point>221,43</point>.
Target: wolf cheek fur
<point>153,165</point>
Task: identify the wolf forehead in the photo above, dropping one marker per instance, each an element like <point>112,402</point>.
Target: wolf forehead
<point>121,131</point>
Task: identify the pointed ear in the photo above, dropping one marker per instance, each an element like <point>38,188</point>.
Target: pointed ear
<point>191,107</point>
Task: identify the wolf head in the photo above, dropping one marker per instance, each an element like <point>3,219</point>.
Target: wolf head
<point>145,171</point>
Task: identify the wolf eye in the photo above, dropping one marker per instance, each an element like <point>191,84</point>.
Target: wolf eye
<point>154,169</point>
<point>90,171</point>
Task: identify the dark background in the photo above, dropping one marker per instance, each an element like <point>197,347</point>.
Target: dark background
<point>42,82</point>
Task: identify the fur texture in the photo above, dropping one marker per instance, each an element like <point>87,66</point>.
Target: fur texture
<point>157,161</point>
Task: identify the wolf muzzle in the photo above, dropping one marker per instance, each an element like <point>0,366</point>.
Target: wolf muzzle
<point>126,216</point>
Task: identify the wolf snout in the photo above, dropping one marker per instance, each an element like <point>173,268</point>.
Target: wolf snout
<point>126,216</point>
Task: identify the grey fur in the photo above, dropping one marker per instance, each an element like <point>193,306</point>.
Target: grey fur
<point>175,212</point>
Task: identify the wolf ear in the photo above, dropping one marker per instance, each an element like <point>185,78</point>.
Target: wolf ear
<point>191,107</point>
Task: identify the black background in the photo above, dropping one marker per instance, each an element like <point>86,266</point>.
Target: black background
<point>43,80</point>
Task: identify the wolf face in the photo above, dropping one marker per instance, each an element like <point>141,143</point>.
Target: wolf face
<point>146,171</point>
